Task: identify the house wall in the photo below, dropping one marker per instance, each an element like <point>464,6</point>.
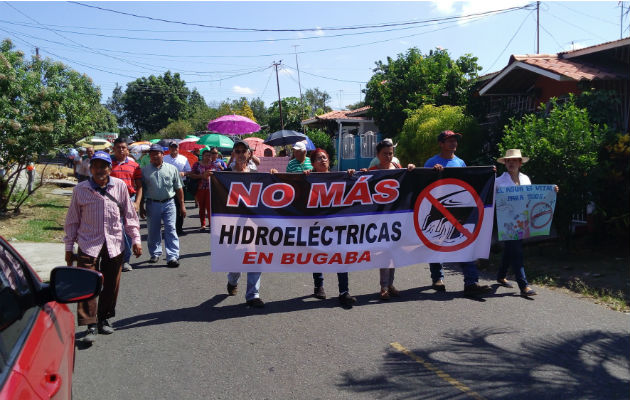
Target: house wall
<point>551,88</point>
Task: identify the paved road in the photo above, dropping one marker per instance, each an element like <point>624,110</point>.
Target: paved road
<point>179,336</point>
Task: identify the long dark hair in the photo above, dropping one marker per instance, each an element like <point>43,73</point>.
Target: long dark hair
<point>382,144</point>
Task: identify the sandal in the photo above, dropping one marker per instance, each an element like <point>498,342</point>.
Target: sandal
<point>528,292</point>
<point>384,294</point>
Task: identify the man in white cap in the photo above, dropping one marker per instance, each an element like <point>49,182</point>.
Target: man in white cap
<point>300,162</point>
<point>183,167</point>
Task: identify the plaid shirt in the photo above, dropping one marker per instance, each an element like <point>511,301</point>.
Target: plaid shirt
<point>94,220</point>
<point>128,171</point>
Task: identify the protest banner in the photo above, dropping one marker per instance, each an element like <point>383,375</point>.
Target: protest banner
<point>524,211</point>
<point>335,222</point>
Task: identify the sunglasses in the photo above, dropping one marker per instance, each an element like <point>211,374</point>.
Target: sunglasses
<point>322,158</point>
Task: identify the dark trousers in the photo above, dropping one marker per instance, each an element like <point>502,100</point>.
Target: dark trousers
<point>93,310</point>
<point>513,255</point>
<point>179,218</point>
<point>342,278</point>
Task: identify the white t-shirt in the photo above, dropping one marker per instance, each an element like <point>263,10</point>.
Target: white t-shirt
<point>180,162</point>
<point>506,180</point>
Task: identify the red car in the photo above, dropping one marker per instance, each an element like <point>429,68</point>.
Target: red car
<point>37,328</point>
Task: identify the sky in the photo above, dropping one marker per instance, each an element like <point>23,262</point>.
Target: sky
<point>227,50</point>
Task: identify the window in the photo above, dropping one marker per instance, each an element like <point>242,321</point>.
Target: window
<point>17,300</point>
<point>348,146</point>
<point>368,144</point>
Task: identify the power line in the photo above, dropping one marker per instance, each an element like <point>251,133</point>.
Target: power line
<point>510,41</point>
<point>354,27</point>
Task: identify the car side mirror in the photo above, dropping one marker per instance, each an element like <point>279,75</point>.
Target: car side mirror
<point>71,284</point>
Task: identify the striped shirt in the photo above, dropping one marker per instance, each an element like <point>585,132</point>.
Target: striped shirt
<point>296,166</point>
<point>94,220</point>
<point>128,171</point>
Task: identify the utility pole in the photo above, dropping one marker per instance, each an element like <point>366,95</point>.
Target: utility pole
<point>37,52</point>
<point>275,64</point>
<point>621,21</point>
<point>538,27</point>
<point>297,66</point>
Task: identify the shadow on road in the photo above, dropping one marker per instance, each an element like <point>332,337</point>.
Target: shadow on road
<point>209,311</point>
<point>584,365</point>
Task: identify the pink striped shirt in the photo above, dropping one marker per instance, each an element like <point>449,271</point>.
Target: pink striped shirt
<point>94,220</point>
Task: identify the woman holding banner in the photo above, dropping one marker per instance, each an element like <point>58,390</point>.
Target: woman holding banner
<point>385,155</point>
<point>320,160</point>
<point>513,252</point>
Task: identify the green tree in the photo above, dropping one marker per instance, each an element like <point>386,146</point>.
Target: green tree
<point>105,121</point>
<point>323,141</point>
<point>418,139</point>
<point>562,146</point>
<point>317,102</point>
<point>43,105</point>
<point>292,112</point>
<point>260,112</point>
<point>176,130</point>
<point>152,103</point>
<point>356,105</point>
<point>116,106</point>
<point>413,80</point>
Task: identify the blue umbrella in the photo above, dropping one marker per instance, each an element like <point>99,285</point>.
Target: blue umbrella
<point>309,144</point>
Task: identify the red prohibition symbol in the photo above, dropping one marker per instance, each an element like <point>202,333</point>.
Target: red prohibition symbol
<point>426,196</point>
<point>541,215</point>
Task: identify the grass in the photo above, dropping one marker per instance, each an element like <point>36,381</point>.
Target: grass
<point>41,219</point>
<point>596,271</point>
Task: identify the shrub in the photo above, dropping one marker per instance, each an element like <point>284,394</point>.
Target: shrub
<point>418,139</point>
<point>563,149</point>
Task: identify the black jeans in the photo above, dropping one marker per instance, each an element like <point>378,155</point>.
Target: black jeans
<point>342,277</point>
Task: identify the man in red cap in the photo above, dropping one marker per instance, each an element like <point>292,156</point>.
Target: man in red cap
<point>447,141</point>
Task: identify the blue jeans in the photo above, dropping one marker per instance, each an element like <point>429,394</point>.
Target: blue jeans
<point>253,283</point>
<point>513,254</point>
<point>471,275</point>
<point>156,213</point>
<point>342,278</point>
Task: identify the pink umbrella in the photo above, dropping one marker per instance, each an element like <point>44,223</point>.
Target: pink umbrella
<point>233,125</point>
<point>258,147</point>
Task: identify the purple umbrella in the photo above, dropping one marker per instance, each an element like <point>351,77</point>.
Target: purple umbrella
<point>233,125</point>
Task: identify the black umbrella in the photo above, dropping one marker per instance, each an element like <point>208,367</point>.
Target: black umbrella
<point>284,137</point>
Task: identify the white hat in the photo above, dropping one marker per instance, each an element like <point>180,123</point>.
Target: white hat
<point>390,141</point>
<point>512,153</point>
<point>301,146</point>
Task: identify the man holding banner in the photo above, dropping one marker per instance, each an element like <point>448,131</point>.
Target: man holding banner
<point>513,252</point>
<point>448,140</point>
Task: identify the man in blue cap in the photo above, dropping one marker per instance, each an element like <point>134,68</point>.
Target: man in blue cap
<point>99,211</point>
<point>160,184</point>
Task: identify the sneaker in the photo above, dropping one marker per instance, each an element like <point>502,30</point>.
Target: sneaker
<point>126,267</point>
<point>256,303</point>
<point>154,259</point>
<point>504,282</point>
<point>477,289</point>
<point>393,292</point>
<point>319,292</point>
<point>90,336</point>
<point>173,263</point>
<point>105,328</point>
<point>346,300</point>
<point>438,286</point>
<point>384,295</point>
<point>232,289</point>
